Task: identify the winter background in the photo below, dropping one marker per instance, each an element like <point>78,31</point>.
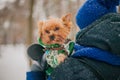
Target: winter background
<point>18,21</point>
<point>18,29</point>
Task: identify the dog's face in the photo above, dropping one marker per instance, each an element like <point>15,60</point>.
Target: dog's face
<point>55,30</point>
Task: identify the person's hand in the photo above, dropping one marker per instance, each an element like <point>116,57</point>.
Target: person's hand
<point>36,53</point>
<point>61,58</point>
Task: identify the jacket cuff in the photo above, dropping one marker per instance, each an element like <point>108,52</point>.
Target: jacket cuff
<point>35,75</point>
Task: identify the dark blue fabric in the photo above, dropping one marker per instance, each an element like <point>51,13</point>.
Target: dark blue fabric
<point>109,3</point>
<point>97,54</point>
<point>94,9</point>
<point>49,78</point>
<point>35,75</point>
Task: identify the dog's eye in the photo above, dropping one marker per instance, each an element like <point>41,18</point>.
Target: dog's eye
<point>56,28</point>
<point>47,31</point>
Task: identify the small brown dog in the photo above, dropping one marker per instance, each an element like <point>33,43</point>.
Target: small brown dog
<point>53,34</point>
<point>55,30</point>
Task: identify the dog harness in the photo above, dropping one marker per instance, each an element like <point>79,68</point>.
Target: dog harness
<point>53,50</point>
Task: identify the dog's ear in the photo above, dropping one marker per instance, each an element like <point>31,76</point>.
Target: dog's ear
<point>40,25</point>
<point>67,18</point>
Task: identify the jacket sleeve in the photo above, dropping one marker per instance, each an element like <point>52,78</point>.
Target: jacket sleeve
<point>73,69</point>
<point>35,75</point>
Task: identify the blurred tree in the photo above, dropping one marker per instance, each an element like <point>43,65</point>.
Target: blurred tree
<point>13,21</point>
<point>30,24</point>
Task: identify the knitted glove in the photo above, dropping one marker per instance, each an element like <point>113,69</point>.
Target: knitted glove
<point>36,52</point>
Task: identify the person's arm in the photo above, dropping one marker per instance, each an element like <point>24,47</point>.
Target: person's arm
<point>36,73</point>
<point>36,53</point>
<point>73,69</point>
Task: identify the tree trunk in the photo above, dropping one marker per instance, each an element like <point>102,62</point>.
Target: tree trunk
<point>30,27</point>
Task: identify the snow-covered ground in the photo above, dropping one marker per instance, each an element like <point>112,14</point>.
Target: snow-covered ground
<point>13,62</point>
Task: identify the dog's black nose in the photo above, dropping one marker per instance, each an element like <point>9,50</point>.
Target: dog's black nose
<point>52,37</point>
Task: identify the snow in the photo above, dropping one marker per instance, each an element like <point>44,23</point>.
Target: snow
<point>6,24</point>
<point>13,62</point>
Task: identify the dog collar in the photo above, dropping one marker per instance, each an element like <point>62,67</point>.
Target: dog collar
<point>52,46</point>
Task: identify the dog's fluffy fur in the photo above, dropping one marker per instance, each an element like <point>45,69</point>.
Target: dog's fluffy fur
<point>55,30</point>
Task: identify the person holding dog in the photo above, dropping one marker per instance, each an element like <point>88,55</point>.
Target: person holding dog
<point>97,55</point>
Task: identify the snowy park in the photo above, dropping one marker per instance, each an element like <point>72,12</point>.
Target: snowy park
<point>95,33</point>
